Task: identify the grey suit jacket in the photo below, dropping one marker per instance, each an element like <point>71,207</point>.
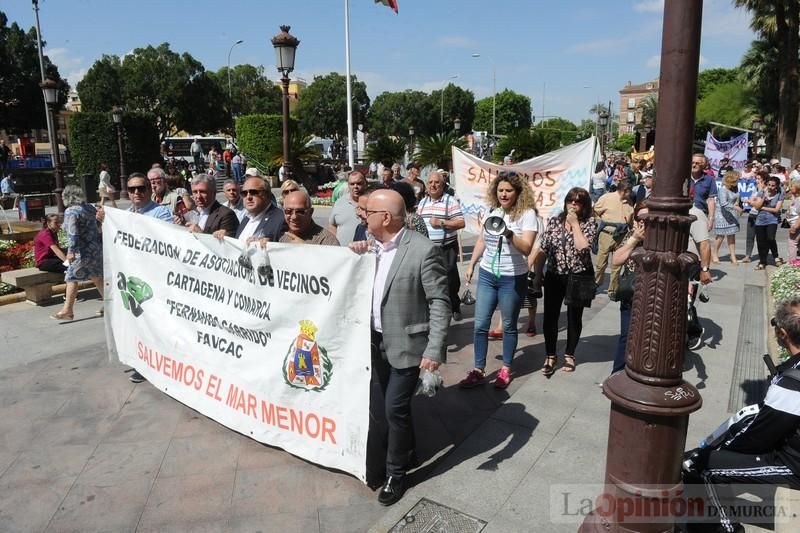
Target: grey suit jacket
<point>415,309</point>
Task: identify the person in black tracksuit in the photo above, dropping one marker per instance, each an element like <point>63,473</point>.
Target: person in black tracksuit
<point>767,448</point>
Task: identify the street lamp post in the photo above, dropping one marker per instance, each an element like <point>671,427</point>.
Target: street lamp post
<point>457,125</point>
<point>650,401</point>
<point>230,91</point>
<point>602,120</point>
<point>494,94</point>
<point>411,142</point>
<point>285,47</point>
<point>50,90</point>
<point>116,115</point>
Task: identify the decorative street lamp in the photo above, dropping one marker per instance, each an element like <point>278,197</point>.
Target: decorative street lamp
<point>116,114</point>
<point>457,124</point>
<point>50,90</point>
<point>411,141</point>
<point>230,92</point>
<point>285,47</point>
<point>602,121</point>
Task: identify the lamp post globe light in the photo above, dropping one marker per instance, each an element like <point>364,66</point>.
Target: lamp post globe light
<point>285,45</point>
<point>457,124</point>
<point>602,121</point>
<point>411,141</point>
<point>116,115</point>
<point>50,91</point>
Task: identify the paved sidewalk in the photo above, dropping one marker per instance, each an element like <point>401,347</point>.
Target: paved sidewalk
<point>83,449</point>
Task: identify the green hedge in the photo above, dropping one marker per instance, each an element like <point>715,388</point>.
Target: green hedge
<point>93,140</point>
<point>256,136</point>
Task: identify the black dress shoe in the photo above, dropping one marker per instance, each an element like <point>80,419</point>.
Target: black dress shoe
<point>392,491</point>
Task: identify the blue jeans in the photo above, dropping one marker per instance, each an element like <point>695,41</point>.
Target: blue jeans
<point>507,292</point>
<point>622,342</point>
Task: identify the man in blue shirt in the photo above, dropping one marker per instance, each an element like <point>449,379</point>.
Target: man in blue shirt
<point>703,192</point>
<point>140,194</point>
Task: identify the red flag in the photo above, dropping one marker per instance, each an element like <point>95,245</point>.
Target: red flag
<point>388,3</point>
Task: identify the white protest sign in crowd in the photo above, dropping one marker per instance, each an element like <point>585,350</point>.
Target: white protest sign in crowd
<point>550,176</point>
<point>279,355</point>
<point>734,150</point>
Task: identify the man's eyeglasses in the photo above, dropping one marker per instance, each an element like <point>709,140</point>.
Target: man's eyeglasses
<point>252,192</point>
<point>299,212</point>
<point>371,212</point>
<point>137,188</point>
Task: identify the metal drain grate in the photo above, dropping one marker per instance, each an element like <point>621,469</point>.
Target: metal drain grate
<point>430,517</point>
<point>749,384</point>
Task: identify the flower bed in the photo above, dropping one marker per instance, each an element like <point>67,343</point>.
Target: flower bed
<point>784,285</point>
<point>13,256</point>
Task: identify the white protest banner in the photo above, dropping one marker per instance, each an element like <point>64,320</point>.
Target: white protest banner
<point>550,176</point>
<point>280,355</point>
<point>734,150</point>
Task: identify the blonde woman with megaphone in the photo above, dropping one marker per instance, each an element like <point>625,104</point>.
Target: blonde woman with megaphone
<point>509,230</point>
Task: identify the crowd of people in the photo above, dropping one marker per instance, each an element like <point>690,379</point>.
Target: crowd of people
<point>412,228</point>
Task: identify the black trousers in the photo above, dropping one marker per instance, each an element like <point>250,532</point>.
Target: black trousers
<point>450,253</point>
<point>391,440</point>
<point>555,287</point>
<point>52,264</point>
<point>725,467</point>
<point>765,240</point>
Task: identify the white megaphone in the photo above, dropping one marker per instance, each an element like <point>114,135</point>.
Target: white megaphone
<point>495,225</point>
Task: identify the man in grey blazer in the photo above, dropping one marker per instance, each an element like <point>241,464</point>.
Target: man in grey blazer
<point>410,317</point>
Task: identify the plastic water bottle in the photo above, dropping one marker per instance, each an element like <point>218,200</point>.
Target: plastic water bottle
<point>429,383</point>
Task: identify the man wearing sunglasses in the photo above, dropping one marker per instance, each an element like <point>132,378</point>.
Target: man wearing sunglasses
<point>302,228</point>
<point>263,220</point>
<point>767,449</point>
<point>140,194</point>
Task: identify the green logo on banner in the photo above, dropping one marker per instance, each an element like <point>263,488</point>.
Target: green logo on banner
<point>134,293</point>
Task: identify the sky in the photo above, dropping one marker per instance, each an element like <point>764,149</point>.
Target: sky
<point>565,55</point>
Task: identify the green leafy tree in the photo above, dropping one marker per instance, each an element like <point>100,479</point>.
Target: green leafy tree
<point>708,79</point>
<point>759,72</point>
<point>586,129</point>
<point>557,132</point>
<point>624,142</point>
<point>458,103</point>
<point>526,144</point>
<point>199,108</point>
<point>513,112</point>
<point>257,134</point>
<point>728,103</point>
<point>438,149</point>
<point>598,108</point>
<point>322,106</point>
<point>386,150</point>
<point>649,108</point>
<point>21,102</point>
<point>251,91</point>
<point>393,113</point>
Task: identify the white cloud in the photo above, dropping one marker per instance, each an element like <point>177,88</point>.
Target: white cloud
<point>457,41</point>
<point>75,76</point>
<point>599,46</point>
<point>649,6</point>
<point>653,61</point>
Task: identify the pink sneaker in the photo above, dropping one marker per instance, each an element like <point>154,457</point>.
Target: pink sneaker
<point>473,379</point>
<point>503,378</point>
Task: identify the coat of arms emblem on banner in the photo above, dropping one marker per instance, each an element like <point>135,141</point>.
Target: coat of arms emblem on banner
<point>307,365</point>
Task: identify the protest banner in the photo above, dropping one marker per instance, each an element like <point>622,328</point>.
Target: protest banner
<point>734,149</point>
<point>280,353</point>
<point>549,175</point>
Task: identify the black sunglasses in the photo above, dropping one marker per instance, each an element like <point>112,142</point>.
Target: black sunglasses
<point>300,211</point>
<point>773,323</point>
<point>252,192</point>
<point>137,188</point>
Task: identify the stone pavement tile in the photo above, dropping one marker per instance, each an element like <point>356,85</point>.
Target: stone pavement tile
<point>7,458</point>
<point>114,506</point>
<point>280,489</point>
<point>274,523</point>
<point>65,430</point>
<point>350,518</point>
<point>143,424</point>
<point>188,499</point>
<point>209,454</point>
<point>123,460</point>
<point>40,465</point>
<point>65,377</point>
<point>105,401</point>
<point>193,423</point>
<point>29,506</point>
<point>337,489</point>
<point>462,411</point>
<point>27,405</point>
<point>16,435</point>
<point>206,526</point>
<point>255,455</point>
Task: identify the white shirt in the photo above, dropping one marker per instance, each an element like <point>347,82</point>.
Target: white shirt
<point>386,252</point>
<point>201,221</point>
<point>510,261</point>
<point>238,209</point>
<point>252,224</point>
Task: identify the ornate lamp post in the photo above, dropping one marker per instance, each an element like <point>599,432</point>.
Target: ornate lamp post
<point>116,114</point>
<point>285,47</point>
<point>650,401</point>
<point>457,125</point>
<point>602,121</point>
<point>50,90</point>
<point>411,141</point>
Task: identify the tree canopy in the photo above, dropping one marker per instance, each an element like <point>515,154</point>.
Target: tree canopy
<point>513,112</point>
<point>456,103</point>
<point>21,100</point>
<point>393,113</point>
<point>251,91</point>
<point>322,106</point>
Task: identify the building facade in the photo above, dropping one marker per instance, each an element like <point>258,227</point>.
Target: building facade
<point>630,98</point>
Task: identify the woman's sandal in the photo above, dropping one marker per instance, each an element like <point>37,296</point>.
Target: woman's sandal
<point>549,367</point>
<point>569,364</point>
<point>778,262</point>
<point>760,267</point>
<point>63,316</point>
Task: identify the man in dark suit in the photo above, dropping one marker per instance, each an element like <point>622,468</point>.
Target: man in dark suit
<point>264,220</point>
<point>410,317</point>
<point>209,216</point>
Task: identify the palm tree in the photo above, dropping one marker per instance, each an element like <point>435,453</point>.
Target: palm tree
<point>386,151</point>
<point>300,152</point>
<point>438,149</point>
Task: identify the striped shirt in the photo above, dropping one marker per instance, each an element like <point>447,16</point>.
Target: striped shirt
<point>445,208</point>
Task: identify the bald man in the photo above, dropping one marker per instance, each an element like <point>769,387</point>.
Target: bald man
<point>410,317</point>
<point>302,228</point>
